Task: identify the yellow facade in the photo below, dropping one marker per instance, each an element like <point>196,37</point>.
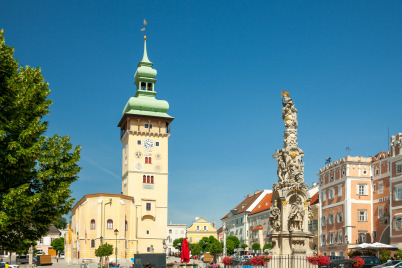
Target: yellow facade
<point>199,229</point>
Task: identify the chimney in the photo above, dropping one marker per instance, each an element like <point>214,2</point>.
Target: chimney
<point>249,195</point>
<point>257,192</point>
<point>214,224</point>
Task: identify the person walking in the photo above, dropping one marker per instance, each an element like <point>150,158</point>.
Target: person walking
<point>57,257</point>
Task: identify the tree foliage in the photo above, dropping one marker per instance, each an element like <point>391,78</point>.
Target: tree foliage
<point>232,242</point>
<point>255,246</point>
<point>215,247</point>
<point>267,246</point>
<point>206,243</point>
<point>60,223</point>
<point>104,250</point>
<point>58,244</point>
<point>35,171</point>
<point>243,246</point>
<point>195,249</point>
<point>177,243</point>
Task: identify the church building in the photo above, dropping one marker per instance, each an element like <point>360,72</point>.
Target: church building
<point>137,218</point>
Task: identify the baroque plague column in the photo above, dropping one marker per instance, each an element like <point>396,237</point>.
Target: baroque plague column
<point>291,200</point>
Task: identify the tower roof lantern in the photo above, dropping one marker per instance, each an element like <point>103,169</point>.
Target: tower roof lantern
<point>144,71</point>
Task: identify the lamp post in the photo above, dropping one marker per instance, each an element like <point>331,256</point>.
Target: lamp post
<point>116,232</point>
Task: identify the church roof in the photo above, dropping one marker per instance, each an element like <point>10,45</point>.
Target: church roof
<point>82,200</point>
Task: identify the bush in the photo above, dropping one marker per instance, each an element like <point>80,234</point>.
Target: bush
<point>255,246</point>
<point>354,253</point>
<point>369,252</point>
<point>267,246</point>
<point>385,254</point>
<point>398,254</point>
<point>243,246</point>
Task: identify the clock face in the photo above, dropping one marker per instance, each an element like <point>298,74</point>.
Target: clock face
<point>148,144</point>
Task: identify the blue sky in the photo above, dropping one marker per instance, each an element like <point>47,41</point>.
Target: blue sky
<point>221,66</point>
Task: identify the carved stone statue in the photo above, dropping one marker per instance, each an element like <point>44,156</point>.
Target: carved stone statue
<point>275,217</point>
<point>296,215</point>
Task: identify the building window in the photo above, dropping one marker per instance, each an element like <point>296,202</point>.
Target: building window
<point>324,239</point>
<point>41,241</point>
<point>125,161</point>
<point>51,240</point>
<point>92,243</point>
<point>315,225</point>
<point>198,227</point>
<point>191,239</point>
<point>340,253</point>
<point>198,239</point>
<point>332,178</point>
<point>331,218</point>
<point>324,195</point>
<point>125,147</point>
<point>398,193</point>
<point>145,125</point>
<point>374,234</point>
<point>139,142</point>
<point>157,143</point>
<point>147,179</point>
<point>147,231</point>
<point>339,216</point>
<point>399,168</point>
<point>380,187</point>
<point>126,225</point>
<point>340,237</point>
<point>144,179</point>
<point>148,206</point>
<point>331,193</point>
<point>110,224</point>
<point>343,172</point>
<point>374,187</point>
<point>376,172</point>
<point>364,171</point>
<point>170,231</point>
<point>92,224</point>
<point>310,226</point>
<point>362,215</point>
<point>148,160</point>
<point>340,190</point>
<point>362,237</point>
<point>206,228</point>
<point>380,212</point>
<point>324,220</point>
<point>362,189</point>
<point>398,223</point>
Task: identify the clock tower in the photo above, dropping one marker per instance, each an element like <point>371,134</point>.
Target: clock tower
<point>144,133</point>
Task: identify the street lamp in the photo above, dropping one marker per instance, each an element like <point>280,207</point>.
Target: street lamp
<point>116,232</point>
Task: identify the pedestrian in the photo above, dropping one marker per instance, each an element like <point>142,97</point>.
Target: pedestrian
<point>7,266</point>
<point>57,257</point>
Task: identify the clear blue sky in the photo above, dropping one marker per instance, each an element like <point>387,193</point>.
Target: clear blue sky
<point>222,66</point>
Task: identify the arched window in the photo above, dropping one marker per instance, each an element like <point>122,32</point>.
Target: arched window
<point>143,86</point>
<point>150,160</point>
<point>148,179</point>
<point>126,225</point>
<point>110,224</point>
<point>170,231</point>
<point>146,160</point>
<point>144,179</point>
<point>152,179</point>
<point>149,86</point>
<point>92,243</point>
<point>92,224</point>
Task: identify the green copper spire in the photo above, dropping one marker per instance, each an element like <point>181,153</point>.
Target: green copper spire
<point>144,101</point>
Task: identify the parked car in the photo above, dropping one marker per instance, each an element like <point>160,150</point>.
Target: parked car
<point>370,261</point>
<point>391,264</point>
<point>62,255</point>
<point>3,264</point>
<point>22,259</point>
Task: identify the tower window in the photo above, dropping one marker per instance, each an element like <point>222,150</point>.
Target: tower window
<point>126,226</point>
<point>92,243</point>
<point>147,179</point>
<point>148,160</point>
<point>149,87</point>
<point>92,224</point>
<point>152,179</point>
<point>148,206</point>
<point>157,143</point>
<point>110,224</point>
<point>139,142</point>
<point>167,128</point>
<point>148,248</point>
<point>144,179</point>
<point>143,86</point>
<point>146,125</point>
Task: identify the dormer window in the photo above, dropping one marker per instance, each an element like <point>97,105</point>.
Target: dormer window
<point>149,87</point>
<point>143,86</point>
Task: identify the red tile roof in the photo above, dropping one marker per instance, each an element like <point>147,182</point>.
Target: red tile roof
<point>264,204</point>
<point>245,204</point>
<point>314,199</point>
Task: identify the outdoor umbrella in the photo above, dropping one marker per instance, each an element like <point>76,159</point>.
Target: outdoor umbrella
<point>378,245</point>
<point>185,251</point>
<point>361,246</point>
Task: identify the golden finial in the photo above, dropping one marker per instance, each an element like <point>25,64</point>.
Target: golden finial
<point>285,93</point>
<point>145,37</point>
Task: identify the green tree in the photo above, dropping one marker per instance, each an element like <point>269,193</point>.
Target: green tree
<point>255,246</point>
<point>232,242</point>
<point>104,251</point>
<point>35,171</point>
<point>243,246</point>
<point>215,248</point>
<point>195,249</point>
<point>60,223</point>
<point>58,245</point>
<point>177,243</point>
<point>267,246</point>
<point>206,243</point>
<point>399,254</point>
